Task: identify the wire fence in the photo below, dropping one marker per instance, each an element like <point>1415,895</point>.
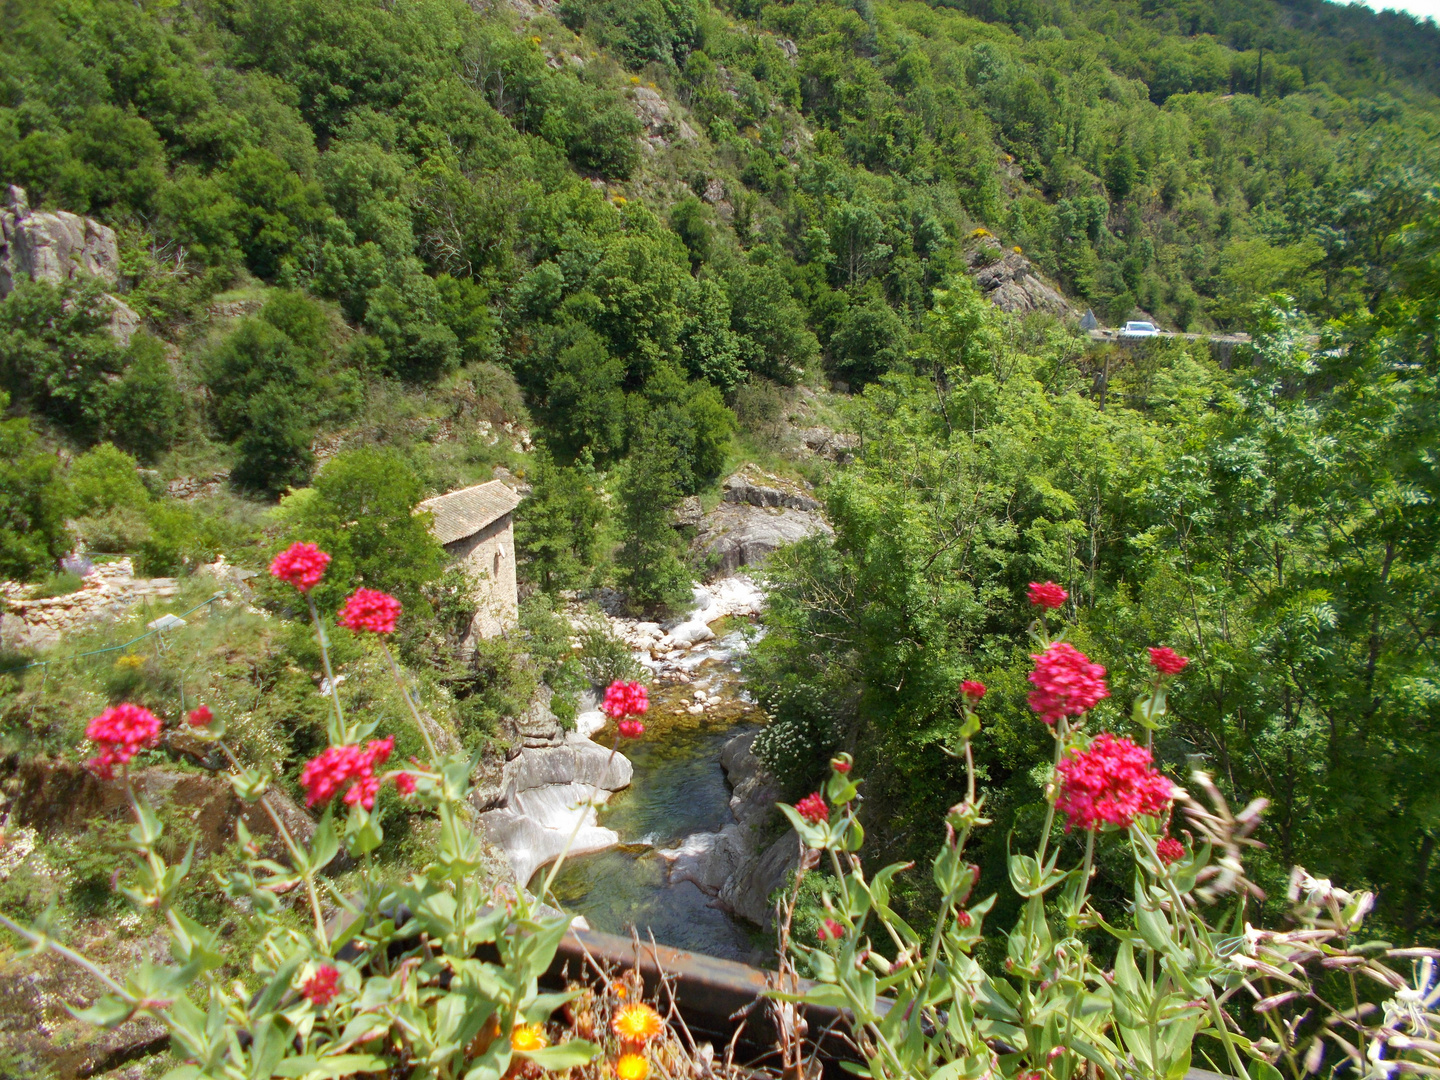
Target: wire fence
<point>28,664</point>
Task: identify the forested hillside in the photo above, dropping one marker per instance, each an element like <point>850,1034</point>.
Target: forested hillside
<point>377,248</point>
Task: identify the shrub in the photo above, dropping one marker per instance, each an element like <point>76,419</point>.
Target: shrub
<point>34,502</point>
<point>104,479</point>
<point>362,511</point>
<point>145,407</point>
<point>800,737</point>
<point>57,354</point>
<point>603,656</point>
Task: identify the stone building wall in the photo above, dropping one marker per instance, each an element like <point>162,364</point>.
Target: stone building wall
<point>488,557</point>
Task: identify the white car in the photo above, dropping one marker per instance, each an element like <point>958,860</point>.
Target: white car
<point>1139,329</point>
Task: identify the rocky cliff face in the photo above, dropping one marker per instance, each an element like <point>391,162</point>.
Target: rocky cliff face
<point>1011,282</point>
<point>59,247</point>
<point>758,514</point>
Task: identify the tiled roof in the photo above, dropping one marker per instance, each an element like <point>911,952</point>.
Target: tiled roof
<point>465,512</point>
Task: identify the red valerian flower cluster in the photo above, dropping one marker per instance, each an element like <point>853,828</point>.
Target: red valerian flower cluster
<point>813,809</point>
<point>301,565</point>
<point>1167,661</point>
<point>121,732</point>
<point>830,930</point>
<point>405,783</point>
<point>322,987</point>
<point>1047,595</point>
<point>631,729</point>
<point>200,717</point>
<point>1066,683</point>
<point>973,691</point>
<point>624,699</point>
<point>841,766</point>
<point>371,611</point>
<point>1170,850</point>
<point>325,775</point>
<point>1111,782</point>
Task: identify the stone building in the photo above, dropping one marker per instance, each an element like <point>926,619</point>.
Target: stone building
<point>476,526</point>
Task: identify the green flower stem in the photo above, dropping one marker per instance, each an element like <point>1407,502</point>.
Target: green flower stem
<point>1062,729</point>
<point>405,693</point>
<point>329,675</point>
<point>41,942</point>
<point>1183,914</point>
<point>295,853</point>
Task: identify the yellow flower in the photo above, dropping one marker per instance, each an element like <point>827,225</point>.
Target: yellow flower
<point>130,662</point>
<point>632,1067</point>
<point>635,80</point>
<point>528,1037</point>
<point>535,40</point>
<point>638,1022</point>
<point>1017,249</point>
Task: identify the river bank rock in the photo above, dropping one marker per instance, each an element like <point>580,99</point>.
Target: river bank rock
<point>530,809</point>
<point>735,865</point>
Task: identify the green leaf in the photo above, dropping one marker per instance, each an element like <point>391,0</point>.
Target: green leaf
<point>565,1056</point>
<point>108,1011</point>
<point>330,1068</point>
<point>324,845</point>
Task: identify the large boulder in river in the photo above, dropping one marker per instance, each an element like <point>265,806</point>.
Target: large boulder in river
<point>531,813</point>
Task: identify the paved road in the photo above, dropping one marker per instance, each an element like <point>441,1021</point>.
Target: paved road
<point>1223,339</point>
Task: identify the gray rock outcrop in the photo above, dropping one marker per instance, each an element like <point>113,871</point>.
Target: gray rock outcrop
<point>59,247</point>
<point>756,488</point>
<point>1010,281</point>
<point>837,446</point>
<point>758,513</point>
<point>735,865</point>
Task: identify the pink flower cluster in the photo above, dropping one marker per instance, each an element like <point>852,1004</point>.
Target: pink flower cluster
<point>371,611</point>
<point>830,930</point>
<point>324,775</point>
<point>200,717</point>
<point>1170,850</point>
<point>624,699</point>
<point>1047,595</point>
<point>322,987</point>
<point>1111,782</point>
<point>301,565</point>
<point>1066,683</point>
<point>121,732</point>
<point>813,809</point>
<point>1167,661</point>
<point>972,691</point>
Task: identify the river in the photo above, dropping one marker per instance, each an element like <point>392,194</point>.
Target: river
<point>678,789</point>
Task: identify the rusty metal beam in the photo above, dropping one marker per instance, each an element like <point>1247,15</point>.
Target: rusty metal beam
<point>713,995</point>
